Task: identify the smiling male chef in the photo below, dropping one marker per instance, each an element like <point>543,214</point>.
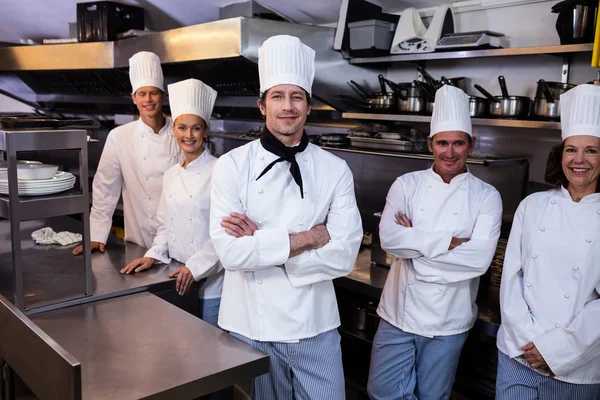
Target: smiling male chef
<point>134,159</point>
<point>284,223</point>
<point>443,224</point>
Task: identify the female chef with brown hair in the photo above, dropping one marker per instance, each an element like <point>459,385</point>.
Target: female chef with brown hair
<point>549,340</point>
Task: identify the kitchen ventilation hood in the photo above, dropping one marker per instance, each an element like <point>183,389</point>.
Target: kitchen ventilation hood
<point>93,77</point>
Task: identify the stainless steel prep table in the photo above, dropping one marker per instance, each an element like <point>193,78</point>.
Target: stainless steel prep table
<point>368,279</point>
<point>139,346</point>
<point>52,273</point>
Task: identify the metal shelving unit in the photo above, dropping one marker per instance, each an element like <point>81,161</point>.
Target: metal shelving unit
<point>507,123</point>
<point>559,50</point>
<point>23,208</point>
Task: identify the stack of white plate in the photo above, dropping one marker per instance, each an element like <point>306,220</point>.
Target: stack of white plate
<point>60,182</point>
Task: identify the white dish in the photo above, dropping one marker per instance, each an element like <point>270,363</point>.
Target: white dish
<point>60,176</point>
<point>37,192</point>
<point>36,171</point>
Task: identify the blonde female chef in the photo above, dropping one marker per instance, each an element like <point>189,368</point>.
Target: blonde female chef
<point>183,213</point>
<point>549,340</point>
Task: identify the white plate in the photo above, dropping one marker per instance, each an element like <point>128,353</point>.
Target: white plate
<point>5,188</point>
<point>39,192</point>
<point>46,186</point>
<point>59,177</point>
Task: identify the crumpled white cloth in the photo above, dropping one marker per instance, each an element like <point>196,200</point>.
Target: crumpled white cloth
<point>48,236</point>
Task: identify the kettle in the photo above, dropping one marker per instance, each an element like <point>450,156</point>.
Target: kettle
<point>576,22</point>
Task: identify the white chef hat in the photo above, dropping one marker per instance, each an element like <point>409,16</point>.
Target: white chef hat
<point>285,59</point>
<point>580,111</point>
<point>191,97</point>
<point>451,111</point>
<point>145,70</point>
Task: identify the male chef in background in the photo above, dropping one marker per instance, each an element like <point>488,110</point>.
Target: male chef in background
<point>284,223</point>
<point>443,224</point>
<point>134,159</point>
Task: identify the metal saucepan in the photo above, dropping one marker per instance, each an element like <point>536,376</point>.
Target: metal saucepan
<point>378,105</point>
<point>506,106</point>
<point>406,102</point>
<point>429,96</point>
<point>429,79</point>
<point>478,106</point>
<point>547,98</point>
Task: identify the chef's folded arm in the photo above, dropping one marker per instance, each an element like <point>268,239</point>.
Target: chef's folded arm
<point>574,345</point>
<point>160,246</point>
<point>336,258</point>
<point>518,322</point>
<point>265,249</point>
<point>106,191</point>
<point>471,259</point>
<point>404,242</point>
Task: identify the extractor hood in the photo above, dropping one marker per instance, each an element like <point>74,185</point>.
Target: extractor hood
<point>93,77</point>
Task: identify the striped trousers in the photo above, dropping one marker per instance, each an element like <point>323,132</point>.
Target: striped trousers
<point>308,370</point>
<point>405,366</point>
<point>516,381</point>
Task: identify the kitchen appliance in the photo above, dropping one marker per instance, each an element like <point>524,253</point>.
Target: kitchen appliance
<point>576,21</point>
<point>411,35</point>
<point>101,21</point>
<point>506,106</point>
<point>471,41</point>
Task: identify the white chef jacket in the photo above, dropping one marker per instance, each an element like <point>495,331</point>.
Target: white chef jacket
<point>134,159</point>
<point>550,284</point>
<point>183,216</point>
<point>261,300</point>
<point>430,290</point>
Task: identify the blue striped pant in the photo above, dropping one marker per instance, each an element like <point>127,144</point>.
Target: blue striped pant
<point>405,366</point>
<point>516,381</point>
<point>308,370</point>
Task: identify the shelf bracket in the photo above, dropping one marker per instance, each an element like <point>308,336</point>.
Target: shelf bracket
<point>564,74</point>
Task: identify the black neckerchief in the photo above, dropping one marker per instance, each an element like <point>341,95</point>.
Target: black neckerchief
<point>273,145</point>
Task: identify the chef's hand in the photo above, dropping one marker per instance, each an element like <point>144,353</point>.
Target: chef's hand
<point>455,242</point>
<point>402,219</point>
<point>238,225</point>
<point>534,358</point>
<point>319,235</point>
<point>138,265</point>
<point>94,245</point>
<point>184,280</point>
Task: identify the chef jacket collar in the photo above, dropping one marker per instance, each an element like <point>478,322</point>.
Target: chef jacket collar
<point>590,198</point>
<point>197,163</point>
<point>458,179</point>
<point>146,129</point>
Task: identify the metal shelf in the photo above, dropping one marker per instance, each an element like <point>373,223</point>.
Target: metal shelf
<point>447,55</point>
<point>507,123</point>
<point>416,156</point>
<point>37,207</point>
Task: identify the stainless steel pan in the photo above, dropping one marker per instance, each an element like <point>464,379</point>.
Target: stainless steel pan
<point>506,106</point>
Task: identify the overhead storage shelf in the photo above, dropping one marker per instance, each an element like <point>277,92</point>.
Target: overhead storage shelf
<point>558,50</point>
<point>508,123</point>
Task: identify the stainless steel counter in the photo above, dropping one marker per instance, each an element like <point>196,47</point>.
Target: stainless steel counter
<point>368,279</point>
<point>53,274</point>
<point>140,346</point>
